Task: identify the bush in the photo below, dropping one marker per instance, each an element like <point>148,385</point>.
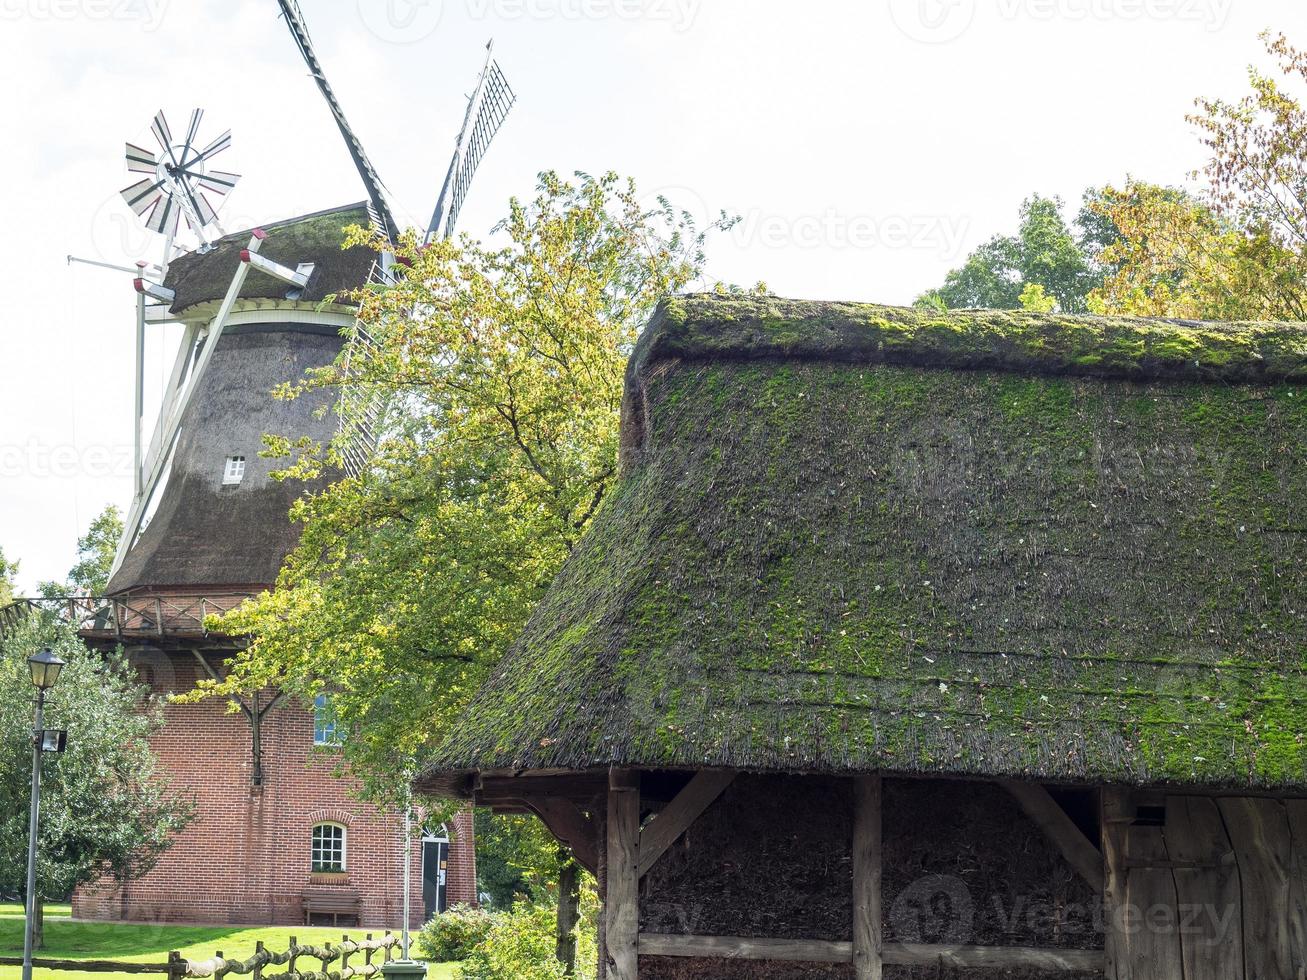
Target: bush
<point>521,945</point>
<point>453,935</point>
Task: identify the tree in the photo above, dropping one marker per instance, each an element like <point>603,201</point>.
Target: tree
<point>95,554</point>
<point>1043,253</point>
<point>104,809</point>
<point>503,370</point>
<point>1238,249</point>
<point>8,569</point>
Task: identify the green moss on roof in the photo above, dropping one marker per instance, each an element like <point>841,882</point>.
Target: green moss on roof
<point>205,277</point>
<point>709,326</point>
<point>821,561</point>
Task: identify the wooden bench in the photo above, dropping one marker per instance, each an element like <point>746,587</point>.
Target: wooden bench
<point>330,901</point>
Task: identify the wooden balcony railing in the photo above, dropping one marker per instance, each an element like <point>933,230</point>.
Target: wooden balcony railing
<point>135,617</point>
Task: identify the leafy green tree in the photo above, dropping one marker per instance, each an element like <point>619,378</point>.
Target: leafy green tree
<point>1238,249</point>
<point>503,370</point>
<point>104,808</point>
<point>506,367</point>
<point>1044,253</point>
<point>95,554</point>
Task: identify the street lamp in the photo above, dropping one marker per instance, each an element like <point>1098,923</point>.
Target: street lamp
<point>45,666</point>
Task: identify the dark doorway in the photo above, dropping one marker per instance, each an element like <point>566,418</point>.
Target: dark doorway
<point>435,869</point>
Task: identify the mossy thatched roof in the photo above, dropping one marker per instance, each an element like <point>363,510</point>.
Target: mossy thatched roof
<point>204,277</point>
<point>853,538</point>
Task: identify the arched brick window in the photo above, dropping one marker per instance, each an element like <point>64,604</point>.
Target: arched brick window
<point>328,848</point>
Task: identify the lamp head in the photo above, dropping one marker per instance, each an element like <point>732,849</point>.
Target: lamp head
<point>46,666</point>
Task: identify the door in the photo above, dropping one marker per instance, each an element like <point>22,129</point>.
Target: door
<point>435,870</point>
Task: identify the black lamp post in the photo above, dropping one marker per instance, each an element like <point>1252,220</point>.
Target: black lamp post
<point>45,666</point>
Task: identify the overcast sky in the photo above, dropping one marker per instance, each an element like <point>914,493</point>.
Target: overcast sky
<point>868,145</point>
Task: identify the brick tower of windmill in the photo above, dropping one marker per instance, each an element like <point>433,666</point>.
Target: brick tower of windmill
<point>277,837</point>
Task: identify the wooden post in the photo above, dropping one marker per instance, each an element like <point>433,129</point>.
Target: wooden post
<point>292,953</point>
<point>176,965</point>
<point>1114,818</point>
<point>258,960</point>
<point>622,911</point>
<point>867,929</point>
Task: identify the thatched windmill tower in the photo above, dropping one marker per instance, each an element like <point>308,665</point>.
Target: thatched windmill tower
<point>278,839</point>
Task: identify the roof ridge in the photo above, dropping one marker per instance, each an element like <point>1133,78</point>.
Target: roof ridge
<point>734,327</point>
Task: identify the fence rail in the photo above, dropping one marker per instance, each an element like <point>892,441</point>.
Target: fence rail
<point>218,966</point>
<point>126,617</point>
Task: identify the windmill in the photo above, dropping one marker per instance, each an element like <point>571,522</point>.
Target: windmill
<point>200,520</point>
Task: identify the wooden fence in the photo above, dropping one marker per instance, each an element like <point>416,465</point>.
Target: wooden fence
<point>334,960</point>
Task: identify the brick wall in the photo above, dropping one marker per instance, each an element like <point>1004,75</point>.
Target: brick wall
<point>245,857</point>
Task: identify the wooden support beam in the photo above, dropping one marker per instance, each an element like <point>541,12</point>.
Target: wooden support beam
<point>1078,850</point>
<point>736,948</point>
<point>895,954</point>
<point>675,819</point>
<point>995,957</point>
<point>570,827</point>
<point>622,903</point>
<point>867,937</point>
<point>1115,816</point>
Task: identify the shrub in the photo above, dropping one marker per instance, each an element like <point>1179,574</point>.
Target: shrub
<point>521,945</point>
<point>453,935</point>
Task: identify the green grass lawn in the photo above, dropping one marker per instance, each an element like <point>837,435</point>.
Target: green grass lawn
<point>147,942</point>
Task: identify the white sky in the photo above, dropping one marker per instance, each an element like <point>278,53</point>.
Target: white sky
<point>868,143</point>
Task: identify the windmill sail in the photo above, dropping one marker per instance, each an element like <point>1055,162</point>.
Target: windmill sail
<point>486,111</point>
<point>295,21</point>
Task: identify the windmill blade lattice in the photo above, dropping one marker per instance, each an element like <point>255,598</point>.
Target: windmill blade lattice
<point>486,112</point>
<point>178,182</point>
<point>290,10</point>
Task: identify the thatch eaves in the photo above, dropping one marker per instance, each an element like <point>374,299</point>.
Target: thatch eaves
<point>852,538</point>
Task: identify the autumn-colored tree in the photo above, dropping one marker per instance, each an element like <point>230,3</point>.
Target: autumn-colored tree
<point>1238,248</point>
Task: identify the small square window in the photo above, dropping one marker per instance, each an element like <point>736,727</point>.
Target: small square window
<point>234,471</point>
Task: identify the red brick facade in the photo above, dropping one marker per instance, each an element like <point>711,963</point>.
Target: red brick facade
<point>246,856</point>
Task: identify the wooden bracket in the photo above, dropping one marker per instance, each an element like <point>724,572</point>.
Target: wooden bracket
<point>1078,850</point>
<point>675,819</point>
<point>570,827</point>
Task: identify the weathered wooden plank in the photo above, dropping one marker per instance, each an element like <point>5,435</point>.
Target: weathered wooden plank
<point>1114,822</point>
<point>740,948</point>
<point>1296,811</point>
<point>1259,832</point>
<point>995,957</point>
<point>675,819</point>
<point>896,954</point>
<point>1040,807</point>
<point>1210,909</point>
<point>622,909</point>
<point>867,937</point>
<point>1151,923</point>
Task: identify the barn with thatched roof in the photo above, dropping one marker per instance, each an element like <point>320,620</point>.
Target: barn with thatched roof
<point>917,644</point>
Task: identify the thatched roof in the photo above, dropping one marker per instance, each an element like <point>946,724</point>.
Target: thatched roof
<point>206,536</point>
<point>852,538</point>
<point>204,277</point>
